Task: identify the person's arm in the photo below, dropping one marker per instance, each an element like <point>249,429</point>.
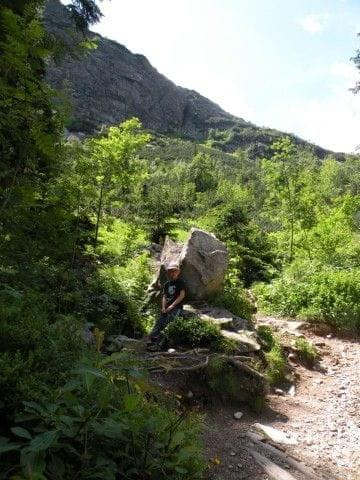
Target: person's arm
<point>163,304</point>
<point>177,300</point>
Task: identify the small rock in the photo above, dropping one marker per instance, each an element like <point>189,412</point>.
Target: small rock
<point>291,391</point>
<point>238,415</point>
<point>292,357</point>
<point>232,454</point>
<point>276,435</point>
<point>278,391</point>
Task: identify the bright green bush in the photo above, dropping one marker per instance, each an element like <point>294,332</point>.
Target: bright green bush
<point>277,367</point>
<point>122,294</point>
<point>195,332</point>
<point>266,336</point>
<point>276,363</point>
<point>307,352</point>
<point>316,294</point>
<point>233,297</point>
<point>120,240</point>
<point>102,425</point>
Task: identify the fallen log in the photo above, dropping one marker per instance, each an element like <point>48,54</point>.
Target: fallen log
<point>270,468</point>
<point>265,447</point>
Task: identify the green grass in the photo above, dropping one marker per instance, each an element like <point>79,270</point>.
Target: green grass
<point>306,350</point>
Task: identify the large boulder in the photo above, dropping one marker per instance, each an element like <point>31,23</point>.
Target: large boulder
<point>203,261</point>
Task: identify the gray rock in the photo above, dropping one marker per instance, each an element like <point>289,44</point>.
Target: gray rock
<point>203,261</point>
<point>111,84</point>
<point>87,334</point>
<point>246,341</point>
<point>217,315</point>
<point>120,342</point>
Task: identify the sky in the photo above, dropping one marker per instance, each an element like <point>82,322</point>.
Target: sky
<point>282,64</point>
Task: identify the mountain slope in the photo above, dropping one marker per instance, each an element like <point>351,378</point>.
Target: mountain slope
<point>111,84</point>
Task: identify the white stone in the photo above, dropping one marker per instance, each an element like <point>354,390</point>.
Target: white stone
<point>275,435</point>
<point>238,415</point>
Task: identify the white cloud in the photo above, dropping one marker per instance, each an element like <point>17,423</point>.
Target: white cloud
<point>332,122</point>
<point>314,23</point>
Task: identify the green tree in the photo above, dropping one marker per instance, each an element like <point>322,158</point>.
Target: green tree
<point>30,131</point>
<point>288,176</point>
<point>203,172</point>
<point>113,164</point>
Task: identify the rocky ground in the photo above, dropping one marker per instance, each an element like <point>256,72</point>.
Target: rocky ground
<point>323,415</point>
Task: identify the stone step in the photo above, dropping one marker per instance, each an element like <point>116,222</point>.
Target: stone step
<point>217,315</point>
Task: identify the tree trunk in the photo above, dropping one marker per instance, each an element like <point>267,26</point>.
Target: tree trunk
<point>98,216</point>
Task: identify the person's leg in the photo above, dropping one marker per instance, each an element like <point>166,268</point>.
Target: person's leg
<point>162,322</point>
<point>162,339</point>
<point>159,326</point>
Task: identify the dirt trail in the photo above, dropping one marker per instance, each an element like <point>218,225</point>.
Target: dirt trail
<point>324,416</point>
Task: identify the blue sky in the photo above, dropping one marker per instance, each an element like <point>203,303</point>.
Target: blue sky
<point>277,63</point>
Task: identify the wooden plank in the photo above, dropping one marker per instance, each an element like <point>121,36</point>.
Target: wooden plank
<point>265,447</point>
<point>270,468</point>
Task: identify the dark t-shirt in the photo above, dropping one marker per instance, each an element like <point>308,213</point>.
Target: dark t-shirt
<point>172,290</point>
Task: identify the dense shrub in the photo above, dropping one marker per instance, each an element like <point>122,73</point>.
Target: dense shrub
<point>120,240</point>
<point>119,293</point>
<point>103,424</point>
<point>316,294</point>
<point>234,299</point>
<point>233,296</point>
<point>266,336</point>
<point>277,367</point>
<point>195,332</point>
<point>34,351</point>
<point>276,363</point>
<point>306,350</point>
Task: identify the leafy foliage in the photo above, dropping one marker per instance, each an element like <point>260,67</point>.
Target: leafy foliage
<point>75,219</point>
<point>195,332</point>
<point>323,295</point>
<point>101,425</point>
<point>266,336</point>
<point>277,367</point>
<point>233,296</point>
<point>306,350</point>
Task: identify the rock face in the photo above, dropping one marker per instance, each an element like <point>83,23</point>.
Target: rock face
<point>111,84</point>
<point>203,260</point>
